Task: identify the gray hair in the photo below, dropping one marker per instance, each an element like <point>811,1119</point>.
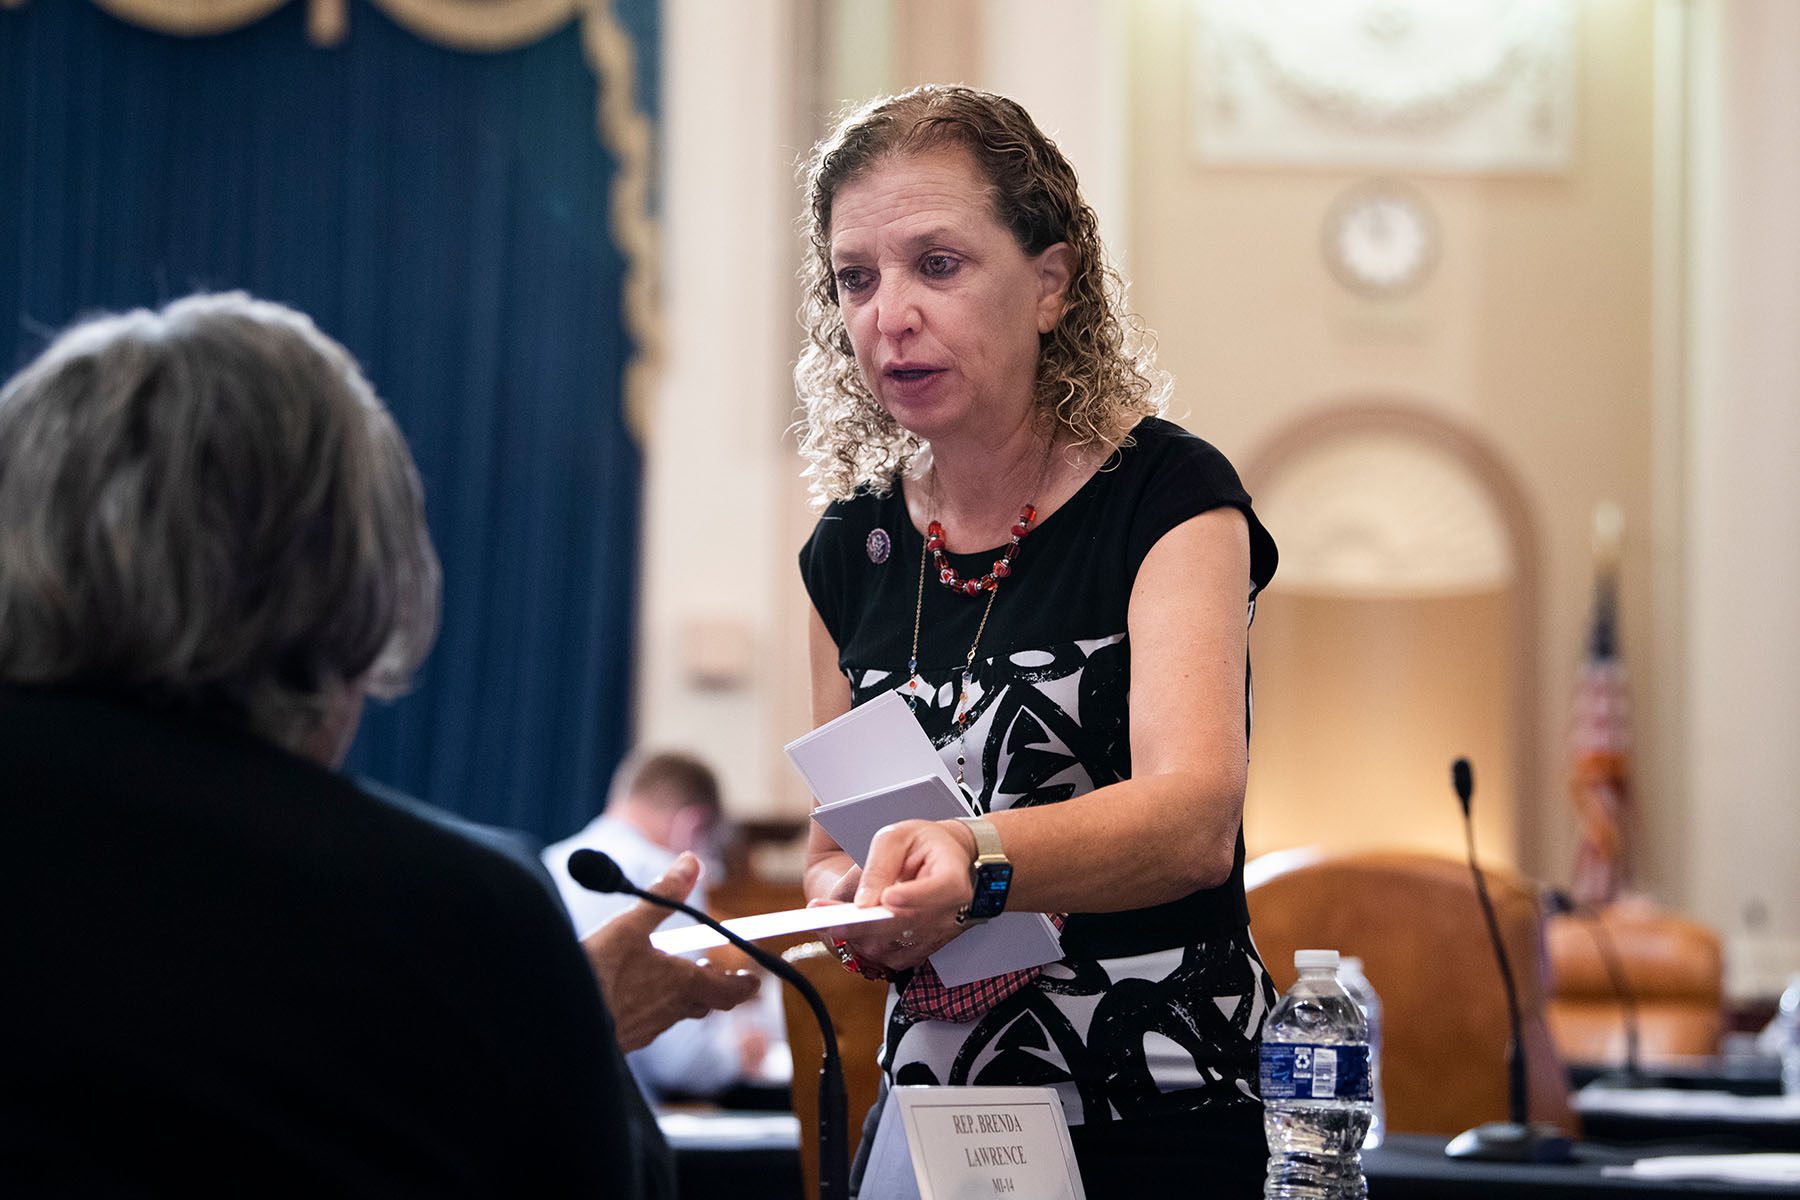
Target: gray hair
<point>208,506</point>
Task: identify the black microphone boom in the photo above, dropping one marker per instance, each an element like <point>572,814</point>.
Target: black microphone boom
<point>1517,1139</point>
<point>597,872</point>
<point>1631,1075</point>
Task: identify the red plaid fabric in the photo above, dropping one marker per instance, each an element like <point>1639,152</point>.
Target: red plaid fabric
<point>925,995</point>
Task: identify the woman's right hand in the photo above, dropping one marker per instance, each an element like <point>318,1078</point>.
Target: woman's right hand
<point>932,858</point>
<point>843,891</point>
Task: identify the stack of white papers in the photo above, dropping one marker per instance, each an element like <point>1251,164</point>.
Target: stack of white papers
<point>1734,1168</point>
<point>874,766</point>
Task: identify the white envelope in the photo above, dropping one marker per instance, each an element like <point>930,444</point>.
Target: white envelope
<point>875,745</point>
<point>686,939</point>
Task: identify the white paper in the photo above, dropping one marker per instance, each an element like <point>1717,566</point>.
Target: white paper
<point>1737,1168</point>
<point>874,766</point>
<point>1013,941</point>
<point>730,1131</point>
<point>875,745</point>
<point>947,1143</point>
<point>690,938</point>
<point>853,823</point>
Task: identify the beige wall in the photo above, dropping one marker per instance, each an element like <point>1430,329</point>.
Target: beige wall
<point>1742,494</point>
<point>1533,333</point>
<point>1358,756</point>
<point>714,664</point>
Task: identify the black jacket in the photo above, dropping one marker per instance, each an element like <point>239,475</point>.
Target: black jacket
<point>226,968</point>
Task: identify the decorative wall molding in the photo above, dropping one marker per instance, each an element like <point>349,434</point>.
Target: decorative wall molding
<point>491,26</point>
<point>1478,85</point>
<point>1384,514</point>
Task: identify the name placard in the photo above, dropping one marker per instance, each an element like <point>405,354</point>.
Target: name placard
<point>972,1143</point>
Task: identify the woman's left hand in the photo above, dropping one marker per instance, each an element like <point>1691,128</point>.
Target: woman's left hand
<point>920,871</point>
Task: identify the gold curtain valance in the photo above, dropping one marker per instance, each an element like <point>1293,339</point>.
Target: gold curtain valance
<point>488,26</point>
<point>458,24</point>
<point>191,18</point>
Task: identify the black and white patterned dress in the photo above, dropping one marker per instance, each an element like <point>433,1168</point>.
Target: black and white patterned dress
<point>1151,1012</point>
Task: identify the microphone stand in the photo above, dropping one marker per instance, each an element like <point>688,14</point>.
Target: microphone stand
<point>1516,1139</point>
<point>597,872</point>
<point>1631,1073</point>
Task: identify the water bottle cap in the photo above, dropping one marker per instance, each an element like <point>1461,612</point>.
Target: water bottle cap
<point>1317,959</point>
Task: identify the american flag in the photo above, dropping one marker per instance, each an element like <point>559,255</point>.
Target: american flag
<point>1599,747</point>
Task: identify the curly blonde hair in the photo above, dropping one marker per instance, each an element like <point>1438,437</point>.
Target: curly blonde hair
<point>1096,371</point>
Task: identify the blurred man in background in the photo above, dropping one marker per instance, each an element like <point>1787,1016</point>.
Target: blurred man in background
<point>660,805</point>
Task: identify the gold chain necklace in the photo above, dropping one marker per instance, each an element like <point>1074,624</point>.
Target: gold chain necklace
<point>934,545</point>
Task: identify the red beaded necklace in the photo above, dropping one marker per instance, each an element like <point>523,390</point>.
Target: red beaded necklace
<point>989,583</point>
<point>934,542</point>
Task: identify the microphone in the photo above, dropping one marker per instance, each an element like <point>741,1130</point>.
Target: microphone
<point>597,872</point>
<point>1515,1139</point>
<point>1631,1075</point>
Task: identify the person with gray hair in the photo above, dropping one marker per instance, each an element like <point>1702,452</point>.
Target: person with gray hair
<point>208,504</point>
<point>225,956</point>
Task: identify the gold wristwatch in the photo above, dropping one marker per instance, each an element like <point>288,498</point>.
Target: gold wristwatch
<point>991,873</point>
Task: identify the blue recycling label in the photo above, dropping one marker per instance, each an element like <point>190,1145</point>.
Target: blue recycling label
<point>1297,1071</point>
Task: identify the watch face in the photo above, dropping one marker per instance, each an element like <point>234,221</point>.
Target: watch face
<point>1380,238</point>
<point>992,882</point>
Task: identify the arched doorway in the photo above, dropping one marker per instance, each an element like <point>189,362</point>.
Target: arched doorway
<point>1400,632</point>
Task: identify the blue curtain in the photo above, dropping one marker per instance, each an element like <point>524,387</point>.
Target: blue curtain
<point>445,216</point>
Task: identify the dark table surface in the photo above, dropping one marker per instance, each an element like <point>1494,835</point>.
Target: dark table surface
<point>1413,1166</point>
<point>1406,1167</point>
<point>1741,1075</point>
<point>1721,1121</point>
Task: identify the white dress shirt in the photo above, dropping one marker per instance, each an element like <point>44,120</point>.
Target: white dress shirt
<point>694,1057</point>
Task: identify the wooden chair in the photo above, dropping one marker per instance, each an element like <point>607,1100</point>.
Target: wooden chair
<point>1415,922</point>
<point>857,1008</point>
<point>1674,968</point>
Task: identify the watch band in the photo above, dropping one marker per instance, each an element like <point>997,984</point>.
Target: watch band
<point>987,839</point>
<point>990,874</point>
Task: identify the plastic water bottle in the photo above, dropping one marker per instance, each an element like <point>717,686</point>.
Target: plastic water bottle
<point>1315,1086</point>
<point>1787,1038</point>
<point>1350,974</point>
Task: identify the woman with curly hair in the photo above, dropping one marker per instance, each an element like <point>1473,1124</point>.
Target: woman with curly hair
<point>1059,583</point>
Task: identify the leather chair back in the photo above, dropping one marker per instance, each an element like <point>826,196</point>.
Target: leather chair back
<point>1674,967</point>
<point>1415,922</point>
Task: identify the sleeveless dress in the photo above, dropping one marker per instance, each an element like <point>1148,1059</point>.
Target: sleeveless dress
<point>1152,1012</point>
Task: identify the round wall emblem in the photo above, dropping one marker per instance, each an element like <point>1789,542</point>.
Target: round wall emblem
<point>878,546</point>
